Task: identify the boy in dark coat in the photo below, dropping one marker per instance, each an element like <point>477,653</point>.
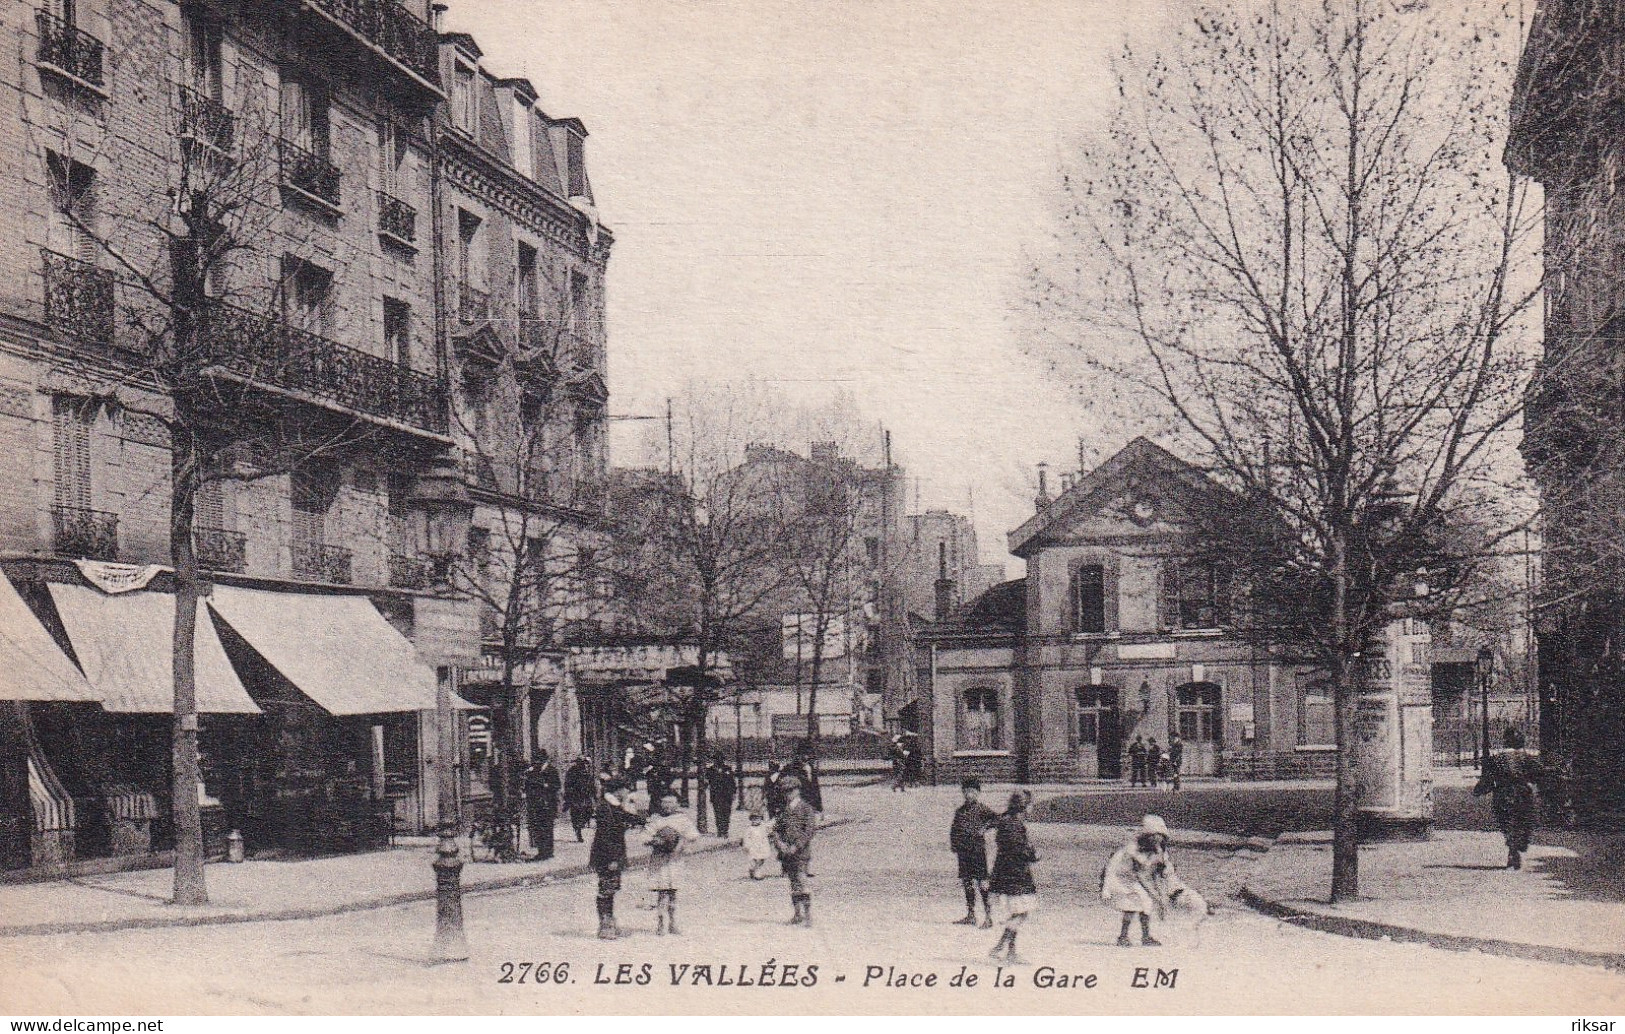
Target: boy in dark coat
<point>608,853</point>
<point>1510,775</point>
<point>967,836</point>
<point>1012,876</point>
<point>792,838</point>
<point>542,786</point>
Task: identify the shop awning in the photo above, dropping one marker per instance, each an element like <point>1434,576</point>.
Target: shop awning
<point>32,666</point>
<point>125,643</point>
<point>338,650</point>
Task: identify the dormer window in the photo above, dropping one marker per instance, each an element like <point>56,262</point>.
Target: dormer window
<point>464,103</point>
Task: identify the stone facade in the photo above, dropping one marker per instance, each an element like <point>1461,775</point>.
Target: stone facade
<point>1115,632</point>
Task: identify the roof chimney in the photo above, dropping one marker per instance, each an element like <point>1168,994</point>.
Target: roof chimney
<point>945,585</point>
<point>437,17</point>
<point>1042,499</point>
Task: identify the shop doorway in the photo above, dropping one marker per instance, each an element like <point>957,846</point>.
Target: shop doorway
<point>1200,727</point>
<point>1100,732</point>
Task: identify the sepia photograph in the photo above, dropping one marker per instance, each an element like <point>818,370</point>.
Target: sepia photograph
<point>609,508</point>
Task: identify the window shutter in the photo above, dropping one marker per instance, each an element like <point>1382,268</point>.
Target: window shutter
<point>1168,595</point>
<point>71,419</point>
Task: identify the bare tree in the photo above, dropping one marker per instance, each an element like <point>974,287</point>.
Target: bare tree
<point>530,416</point>
<point>1294,251</point>
<point>165,291</point>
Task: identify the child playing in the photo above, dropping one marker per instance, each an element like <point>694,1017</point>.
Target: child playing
<point>670,833</point>
<point>1140,879</point>
<point>967,837</point>
<point>757,847</point>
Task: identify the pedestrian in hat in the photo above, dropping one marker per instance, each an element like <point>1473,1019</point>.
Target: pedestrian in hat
<point>671,832</point>
<point>1139,880</point>
<point>580,793</point>
<point>792,838</point>
<point>721,786</point>
<point>1012,876</point>
<point>542,785</point>
<point>967,837</point>
<point>1136,761</point>
<point>608,853</point>
<point>1153,761</point>
<point>1509,776</point>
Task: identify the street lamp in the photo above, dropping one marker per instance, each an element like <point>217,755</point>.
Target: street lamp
<point>443,497</point>
<point>1485,668</point>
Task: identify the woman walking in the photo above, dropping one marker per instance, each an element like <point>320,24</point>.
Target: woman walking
<point>1012,877</point>
<point>1509,775</point>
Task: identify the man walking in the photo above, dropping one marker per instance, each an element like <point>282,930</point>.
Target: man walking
<point>542,786</point>
<point>792,838</point>
<point>1509,775</point>
<point>1176,758</point>
<point>608,853</point>
<point>721,787</point>
<point>1136,762</point>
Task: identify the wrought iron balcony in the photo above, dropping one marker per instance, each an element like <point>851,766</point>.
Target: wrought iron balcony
<point>397,218</point>
<point>220,550</point>
<point>266,351</point>
<point>206,121</point>
<point>490,623</point>
<point>84,534</point>
<point>317,561</point>
<point>409,572</point>
<point>309,173</point>
<point>473,304</point>
<point>393,29</point>
<point>68,49</point>
<point>78,299</point>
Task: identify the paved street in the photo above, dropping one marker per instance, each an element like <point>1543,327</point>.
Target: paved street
<point>885,896</point>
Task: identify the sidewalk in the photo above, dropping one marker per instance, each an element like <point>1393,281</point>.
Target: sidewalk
<point>257,891</point>
<point>1567,903</point>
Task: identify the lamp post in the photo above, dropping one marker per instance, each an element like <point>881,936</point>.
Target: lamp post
<point>443,497</point>
<point>1486,668</point>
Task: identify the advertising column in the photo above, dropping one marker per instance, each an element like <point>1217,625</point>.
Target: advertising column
<point>1393,736</point>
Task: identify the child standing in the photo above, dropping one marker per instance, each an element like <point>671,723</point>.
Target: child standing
<point>671,832</point>
<point>967,837</point>
<point>1138,879</point>
<point>608,853</point>
<point>1012,877</point>
<point>757,846</point>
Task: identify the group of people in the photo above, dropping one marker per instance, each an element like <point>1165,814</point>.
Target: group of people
<point>1149,764</point>
<point>1138,880</point>
<point>904,755</point>
<point>670,832</point>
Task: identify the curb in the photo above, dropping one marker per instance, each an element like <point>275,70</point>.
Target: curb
<point>1368,929</point>
<point>366,905</point>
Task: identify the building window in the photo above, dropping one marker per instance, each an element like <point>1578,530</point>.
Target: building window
<point>204,66</point>
<point>464,103</point>
<point>307,296</point>
<point>398,331</point>
<point>575,150</point>
<point>528,294</point>
<point>72,420</point>
<point>1089,599</point>
<point>1316,718</point>
<point>578,319</point>
<point>305,118</point>
<point>1195,595</point>
<point>979,720</point>
<point>391,156</point>
<point>73,207</point>
<point>1198,712</point>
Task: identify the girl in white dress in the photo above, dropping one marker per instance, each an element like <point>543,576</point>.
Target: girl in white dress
<point>671,832</point>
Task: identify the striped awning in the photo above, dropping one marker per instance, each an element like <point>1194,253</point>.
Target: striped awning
<point>32,666</point>
<point>125,643</point>
<point>336,649</point>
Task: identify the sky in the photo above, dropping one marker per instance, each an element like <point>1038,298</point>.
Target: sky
<point>834,196</point>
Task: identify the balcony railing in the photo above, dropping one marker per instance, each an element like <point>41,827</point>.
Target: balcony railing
<point>206,121</point>
<point>78,299</point>
<point>84,534</point>
<point>473,304</point>
<point>220,550</point>
<point>68,49</point>
<point>409,572</point>
<point>397,218</point>
<point>255,347</point>
<point>317,561</point>
<point>309,173</point>
<point>394,30</point>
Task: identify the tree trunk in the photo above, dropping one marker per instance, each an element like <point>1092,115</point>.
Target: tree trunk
<point>1346,803</point>
<point>817,676</point>
<point>507,804</point>
<point>697,738</point>
<point>190,888</point>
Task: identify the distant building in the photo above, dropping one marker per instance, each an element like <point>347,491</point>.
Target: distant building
<point>940,554</point>
<point>1114,632</point>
